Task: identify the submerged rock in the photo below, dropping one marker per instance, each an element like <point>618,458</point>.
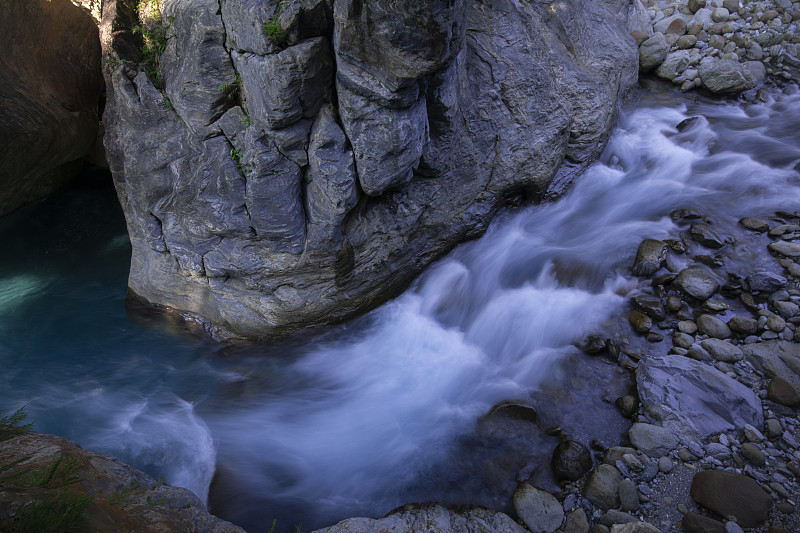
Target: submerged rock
<point>303,196</point>
<point>649,257</point>
<point>571,460</point>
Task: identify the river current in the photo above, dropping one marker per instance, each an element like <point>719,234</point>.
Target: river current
<point>383,410</point>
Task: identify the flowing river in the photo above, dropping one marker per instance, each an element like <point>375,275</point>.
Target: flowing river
<point>383,410</point>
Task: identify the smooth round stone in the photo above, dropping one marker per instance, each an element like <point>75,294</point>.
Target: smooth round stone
<point>539,510</point>
<point>640,321</point>
<point>571,460</point>
<point>713,327</point>
<point>697,282</point>
<point>602,488</point>
<point>697,523</point>
<point>781,391</point>
<point>753,454</point>
<point>706,236</point>
<point>720,14</point>
<point>682,340</point>
<point>754,224</point>
<point>674,304</point>
<point>665,464</point>
<point>687,326</point>
<point>676,27</point>
<point>686,41</point>
<point>696,5</point>
<point>789,249</point>
<point>628,496</point>
<point>731,494</point>
<point>775,323</point>
<point>651,253</point>
<point>787,309</point>
<point>649,305</point>
<point>722,351</point>
<point>627,405</point>
<point>744,325</point>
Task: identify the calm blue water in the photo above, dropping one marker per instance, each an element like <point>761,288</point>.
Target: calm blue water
<point>381,411</point>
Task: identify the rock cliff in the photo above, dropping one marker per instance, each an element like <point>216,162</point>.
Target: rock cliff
<point>289,164</point>
<point>50,83</point>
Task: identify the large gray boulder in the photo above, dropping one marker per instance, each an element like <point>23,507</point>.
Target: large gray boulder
<point>729,76</point>
<point>50,83</point>
<point>295,177</point>
<point>694,399</point>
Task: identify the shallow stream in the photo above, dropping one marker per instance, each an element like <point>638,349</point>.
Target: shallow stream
<point>383,410</point>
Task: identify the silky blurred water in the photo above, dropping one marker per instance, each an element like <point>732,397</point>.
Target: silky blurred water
<point>383,410</point>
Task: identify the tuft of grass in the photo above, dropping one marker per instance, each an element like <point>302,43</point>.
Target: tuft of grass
<point>60,512</point>
<point>153,30</point>
<point>11,425</point>
<point>120,497</point>
<point>58,474</point>
<point>273,29</point>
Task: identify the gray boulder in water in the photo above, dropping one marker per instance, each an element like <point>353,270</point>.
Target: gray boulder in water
<point>301,164</point>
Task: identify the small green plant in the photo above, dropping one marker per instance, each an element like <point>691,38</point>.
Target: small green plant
<point>152,503</point>
<point>153,30</point>
<point>272,529</point>
<point>10,424</point>
<point>168,103</point>
<point>246,121</point>
<point>60,512</point>
<point>157,483</point>
<point>120,497</point>
<point>273,29</point>
<point>58,474</point>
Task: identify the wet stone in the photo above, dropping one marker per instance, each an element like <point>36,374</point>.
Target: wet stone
<point>789,249</point>
<point>697,282</point>
<point>649,257</point>
<point>765,281</point>
<point>674,304</point>
<point>687,326</point>
<point>706,236</point>
<point>571,460</point>
<point>640,321</point>
<point>744,325</point>
<point>654,337</point>
<point>680,215</point>
<point>649,305</point>
<point>592,345</point>
<point>713,327</point>
<point>627,406</point>
<point>754,224</point>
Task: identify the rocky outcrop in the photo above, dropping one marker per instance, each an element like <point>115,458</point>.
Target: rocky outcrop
<point>50,83</point>
<point>431,517</point>
<point>291,164</point>
<point>48,483</point>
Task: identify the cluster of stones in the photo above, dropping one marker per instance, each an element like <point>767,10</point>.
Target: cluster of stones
<point>714,441</point>
<point>721,45</point>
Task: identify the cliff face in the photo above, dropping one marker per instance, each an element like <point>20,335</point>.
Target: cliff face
<point>50,83</point>
<point>304,160</point>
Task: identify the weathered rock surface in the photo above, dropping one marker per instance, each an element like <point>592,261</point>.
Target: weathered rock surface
<point>433,518</point>
<point>50,83</point>
<point>122,498</point>
<point>695,399</point>
<point>776,359</point>
<point>357,148</point>
<point>731,494</point>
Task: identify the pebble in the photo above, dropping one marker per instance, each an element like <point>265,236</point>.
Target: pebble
<point>713,327</point>
<point>687,326</point>
<point>753,455</point>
